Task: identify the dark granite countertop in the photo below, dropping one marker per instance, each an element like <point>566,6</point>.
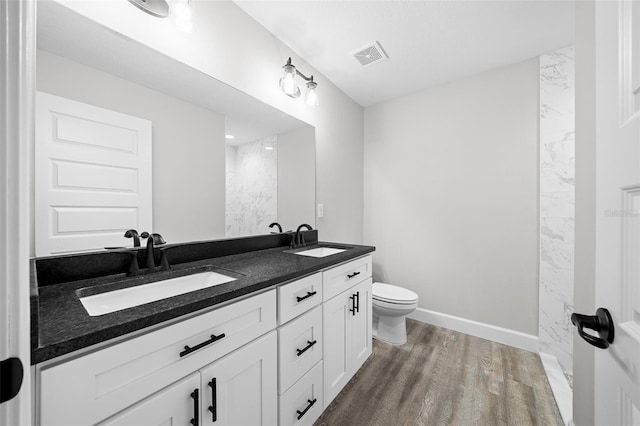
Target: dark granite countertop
<point>63,325</point>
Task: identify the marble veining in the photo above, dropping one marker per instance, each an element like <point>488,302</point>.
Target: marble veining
<point>557,205</point>
<point>251,187</point>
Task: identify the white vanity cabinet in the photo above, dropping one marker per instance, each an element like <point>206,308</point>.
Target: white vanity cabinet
<point>346,324</point>
<point>239,389</point>
<point>96,386</point>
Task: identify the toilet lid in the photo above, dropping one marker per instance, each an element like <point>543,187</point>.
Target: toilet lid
<point>392,293</point>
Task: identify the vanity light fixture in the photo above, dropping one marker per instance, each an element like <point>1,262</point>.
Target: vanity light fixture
<point>290,88</point>
<point>180,11</point>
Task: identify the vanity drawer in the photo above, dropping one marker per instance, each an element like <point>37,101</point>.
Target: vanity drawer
<point>297,352</point>
<point>294,402</point>
<point>298,297</point>
<point>343,277</point>
<point>91,388</point>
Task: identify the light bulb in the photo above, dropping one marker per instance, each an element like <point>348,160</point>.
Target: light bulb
<point>182,15</point>
<point>311,97</point>
<point>288,81</point>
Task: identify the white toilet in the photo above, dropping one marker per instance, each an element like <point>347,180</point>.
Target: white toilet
<point>390,306</point>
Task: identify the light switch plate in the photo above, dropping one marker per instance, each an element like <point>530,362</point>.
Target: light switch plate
<point>320,210</point>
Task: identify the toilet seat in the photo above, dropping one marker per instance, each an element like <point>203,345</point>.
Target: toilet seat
<point>393,294</point>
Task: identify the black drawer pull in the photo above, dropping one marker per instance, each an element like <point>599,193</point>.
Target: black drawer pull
<point>353,275</point>
<point>214,404</point>
<point>188,350</point>
<point>309,294</point>
<point>310,344</point>
<point>196,407</point>
<point>353,304</point>
<point>303,412</point>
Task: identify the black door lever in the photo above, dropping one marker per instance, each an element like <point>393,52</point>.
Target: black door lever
<point>601,323</point>
<point>12,373</point>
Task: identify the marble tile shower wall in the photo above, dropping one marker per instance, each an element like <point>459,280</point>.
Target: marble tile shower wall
<point>557,204</point>
<point>251,188</point>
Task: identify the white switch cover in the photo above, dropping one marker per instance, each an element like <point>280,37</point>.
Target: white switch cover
<point>320,210</point>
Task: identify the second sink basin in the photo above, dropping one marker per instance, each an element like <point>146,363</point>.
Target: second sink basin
<point>319,252</point>
<point>117,300</point>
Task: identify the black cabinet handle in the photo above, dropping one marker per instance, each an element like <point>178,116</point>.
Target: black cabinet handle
<point>188,350</point>
<point>303,412</point>
<point>357,306</point>
<point>309,294</point>
<point>601,323</point>
<point>214,403</point>
<point>353,304</point>
<point>306,348</point>
<point>195,421</point>
<point>353,275</point>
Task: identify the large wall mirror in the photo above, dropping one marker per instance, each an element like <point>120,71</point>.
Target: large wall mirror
<point>204,185</point>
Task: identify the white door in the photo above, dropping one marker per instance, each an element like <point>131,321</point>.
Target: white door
<point>336,330</point>
<point>92,176</point>
<point>242,388</point>
<point>617,369</point>
<point>178,404</point>
<point>17,67</point>
<point>361,338</point>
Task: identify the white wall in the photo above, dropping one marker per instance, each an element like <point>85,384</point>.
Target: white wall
<point>229,45</point>
<point>451,196</point>
<point>296,178</point>
<point>188,146</point>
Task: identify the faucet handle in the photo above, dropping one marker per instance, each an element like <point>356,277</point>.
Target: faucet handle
<point>132,233</point>
<point>157,239</point>
<point>145,234</point>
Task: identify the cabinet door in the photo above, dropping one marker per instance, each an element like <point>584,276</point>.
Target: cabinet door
<point>361,325</point>
<point>241,388</point>
<point>173,405</point>
<point>336,328</point>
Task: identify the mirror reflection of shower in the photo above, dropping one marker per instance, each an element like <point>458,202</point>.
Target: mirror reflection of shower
<point>251,186</point>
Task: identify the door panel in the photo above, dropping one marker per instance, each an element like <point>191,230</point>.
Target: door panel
<point>92,176</point>
<point>336,329</point>
<point>617,375</point>
<point>245,388</point>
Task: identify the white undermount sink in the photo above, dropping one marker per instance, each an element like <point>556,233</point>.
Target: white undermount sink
<point>319,252</point>
<point>117,300</point>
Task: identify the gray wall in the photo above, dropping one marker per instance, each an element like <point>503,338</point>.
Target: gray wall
<point>585,245</point>
<point>296,178</point>
<point>451,196</point>
<point>188,145</point>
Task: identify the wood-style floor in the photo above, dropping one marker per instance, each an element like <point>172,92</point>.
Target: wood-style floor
<point>442,377</point>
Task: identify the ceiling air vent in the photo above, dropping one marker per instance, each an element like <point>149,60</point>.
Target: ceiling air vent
<point>370,54</point>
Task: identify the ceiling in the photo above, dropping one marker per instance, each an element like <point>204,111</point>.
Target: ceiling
<point>428,42</point>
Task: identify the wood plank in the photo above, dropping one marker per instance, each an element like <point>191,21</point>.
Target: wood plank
<point>444,377</point>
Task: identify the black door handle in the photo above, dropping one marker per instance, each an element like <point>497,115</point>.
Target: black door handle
<point>214,403</point>
<point>195,421</point>
<point>12,373</point>
<point>601,323</point>
<point>353,304</point>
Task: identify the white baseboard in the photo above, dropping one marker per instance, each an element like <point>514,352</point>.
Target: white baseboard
<point>517,339</point>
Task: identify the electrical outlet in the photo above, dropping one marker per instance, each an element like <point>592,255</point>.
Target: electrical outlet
<point>320,210</point>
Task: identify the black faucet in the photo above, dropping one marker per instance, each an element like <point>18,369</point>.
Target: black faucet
<point>298,239</point>
<point>132,233</point>
<point>278,225</point>
<point>151,240</point>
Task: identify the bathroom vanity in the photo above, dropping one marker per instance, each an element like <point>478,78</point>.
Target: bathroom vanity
<point>273,346</point>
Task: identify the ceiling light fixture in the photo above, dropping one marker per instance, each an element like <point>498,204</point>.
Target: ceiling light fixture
<point>290,88</point>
